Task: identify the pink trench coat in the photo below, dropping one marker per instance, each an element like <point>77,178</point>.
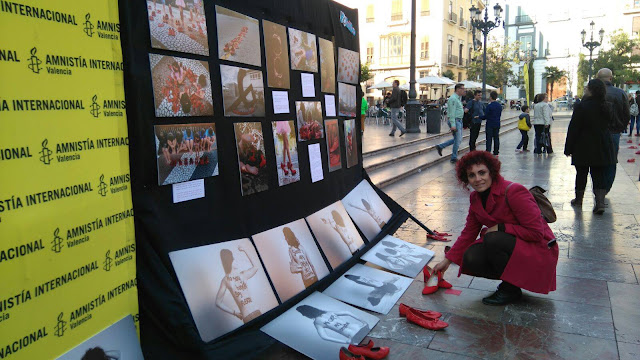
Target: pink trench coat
<point>532,265</point>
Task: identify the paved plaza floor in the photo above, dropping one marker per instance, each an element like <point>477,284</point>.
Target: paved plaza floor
<point>593,314</point>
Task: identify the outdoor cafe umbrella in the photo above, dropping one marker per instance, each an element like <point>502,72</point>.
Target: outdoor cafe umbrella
<point>381,85</point>
<point>435,80</point>
<point>472,85</point>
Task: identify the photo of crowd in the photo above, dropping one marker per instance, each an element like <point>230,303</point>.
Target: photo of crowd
<point>181,87</point>
<point>186,152</point>
<point>178,25</point>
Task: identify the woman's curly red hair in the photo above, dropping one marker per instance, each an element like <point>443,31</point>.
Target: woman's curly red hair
<point>477,158</point>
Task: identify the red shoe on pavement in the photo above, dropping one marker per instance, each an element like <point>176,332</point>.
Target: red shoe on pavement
<point>404,309</point>
<point>415,317</point>
<point>370,353</point>
<point>347,355</point>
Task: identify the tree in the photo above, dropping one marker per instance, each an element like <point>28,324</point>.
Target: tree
<point>619,57</point>
<point>553,75</point>
<point>500,59</point>
<point>449,74</point>
<point>583,72</point>
<point>365,73</point>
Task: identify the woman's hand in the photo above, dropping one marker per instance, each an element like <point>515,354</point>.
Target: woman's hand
<point>442,266</point>
<point>493,228</point>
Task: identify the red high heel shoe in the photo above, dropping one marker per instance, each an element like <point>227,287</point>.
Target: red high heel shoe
<point>347,355</point>
<point>437,237</point>
<point>404,309</point>
<point>442,234</point>
<point>442,283</point>
<point>284,169</point>
<point>415,317</point>
<point>367,345</point>
<point>370,353</point>
<point>290,166</point>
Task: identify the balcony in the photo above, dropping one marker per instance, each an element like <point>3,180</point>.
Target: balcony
<point>464,23</point>
<point>396,17</point>
<point>453,18</point>
<point>452,60</point>
<point>462,62</point>
<point>370,20</point>
<point>425,12</point>
<point>523,19</point>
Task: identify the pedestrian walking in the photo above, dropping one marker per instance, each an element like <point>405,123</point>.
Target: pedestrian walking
<point>524,125</point>
<point>492,114</point>
<point>455,112</point>
<point>541,123</point>
<point>634,111</point>
<point>619,119</point>
<point>505,237</point>
<point>363,113</point>
<point>395,103</point>
<point>590,145</point>
<point>476,109</point>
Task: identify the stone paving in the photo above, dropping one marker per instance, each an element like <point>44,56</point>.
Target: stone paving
<point>593,314</point>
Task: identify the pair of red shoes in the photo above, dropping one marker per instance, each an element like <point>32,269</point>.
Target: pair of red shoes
<point>438,236</point>
<point>426,318</point>
<point>363,352</point>
<point>442,283</point>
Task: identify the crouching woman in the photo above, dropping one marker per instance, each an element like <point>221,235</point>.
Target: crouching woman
<point>515,244</point>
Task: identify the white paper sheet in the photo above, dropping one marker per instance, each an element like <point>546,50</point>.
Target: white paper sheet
<point>330,105</point>
<point>315,160</point>
<point>188,190</point>
<point>308,87</point>
<point>280,102</point>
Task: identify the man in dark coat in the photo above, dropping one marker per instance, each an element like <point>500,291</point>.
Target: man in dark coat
<point>395,103</point>
<point>620,119</point>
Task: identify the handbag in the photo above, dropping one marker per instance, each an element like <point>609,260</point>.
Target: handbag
<point>546,209</point>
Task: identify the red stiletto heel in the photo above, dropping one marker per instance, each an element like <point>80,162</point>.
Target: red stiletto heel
<point>415,317</point>
<point>290,166</point>
<point>347,355</point>
<point>442,283</point>
<point>370,353</point>
<point>442,234</point>
<point>437,237</point>
<point>428,289</point>
<point>286,172</point>
<point>404,309</point>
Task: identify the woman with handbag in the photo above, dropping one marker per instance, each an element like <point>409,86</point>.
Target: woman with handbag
<point>515,245</point>
<point>542,123</point>
<point>589,143</point>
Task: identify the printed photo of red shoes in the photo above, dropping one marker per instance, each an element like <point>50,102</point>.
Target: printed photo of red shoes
<point>417,318</point>
<point>347,355</point>
<point>369,352</point>
<point>629,141</point>
<point>631,160</point>
<point>404,309</point>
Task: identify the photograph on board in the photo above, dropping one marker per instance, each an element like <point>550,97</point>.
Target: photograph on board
<point>351,142</point>
<point>367,209</point>
<point>238,37</point>
<point>291,257</point>
<point>399,256</point>
<point>224,284</point>
<point>242,91</point>
<point>348,66</point>
<point>333,144</point>
<point>303,50</point>
<point>178,25</point>
<point>181,87</point>
<point>327,66</point>
<point>252,162</point>
<point>277,55</point>
<point>309,118</point>
<point>335,232</point>
<point>186,152</point>
<point>286,147</point>
<point>346,100</point>
<point>319,326</point>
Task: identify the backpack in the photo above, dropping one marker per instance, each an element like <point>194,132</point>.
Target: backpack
<point>522,124</point>
<point>403,98</point>
<point>546,209</point>
<point>633,109</point>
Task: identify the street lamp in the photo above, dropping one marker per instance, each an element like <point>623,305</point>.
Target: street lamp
<point>591,44</point>
<point>484,26</point>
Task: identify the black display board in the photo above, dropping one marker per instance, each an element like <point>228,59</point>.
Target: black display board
<point>167,328</point>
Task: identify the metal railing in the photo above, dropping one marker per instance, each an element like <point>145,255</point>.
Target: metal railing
<point>370,20</point>
<point>396,16</point>
<point>461,62</point>
<point>523,19</point>
<point>452,59</point>
<point>425,12</point>
<point>453,17</point>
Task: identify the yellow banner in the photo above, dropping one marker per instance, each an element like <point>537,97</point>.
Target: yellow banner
<point>67,247</point>
<point>525,73</point>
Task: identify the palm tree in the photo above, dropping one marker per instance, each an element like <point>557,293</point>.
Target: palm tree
<point>553,75</point>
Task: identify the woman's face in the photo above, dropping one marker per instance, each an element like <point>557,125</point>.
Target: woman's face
<point>479,177</point>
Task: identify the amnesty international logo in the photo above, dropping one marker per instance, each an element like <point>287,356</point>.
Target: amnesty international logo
<point>95,108</point>
<point>61,326</point>
<point>107,261</point>
<point>45,153</point>
<point>102,187</point>
<point>56,243</point>
<point>88,26</point>
<point>34,61</point>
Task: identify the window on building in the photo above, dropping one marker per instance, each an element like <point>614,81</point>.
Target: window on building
<point>369,53</point>
<point>459,76</point>
<point>525,43</point>
<point>423,73</point>
<point>470,55</point>
<point>635,25</point>
<point>396,10</point>
<point>449,49</point>
<point>636,3</point>
<point>424,48</point>
<point>450,7</point>
<point>460,50</point>
<point>461,16</point>
<point>395,49</point>
<point>424,8</point>
<point>370,16</point>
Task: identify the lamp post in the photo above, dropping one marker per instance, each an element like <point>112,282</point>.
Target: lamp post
<point>484,26</point>
<point>591,44</point>
<point>413,105</point>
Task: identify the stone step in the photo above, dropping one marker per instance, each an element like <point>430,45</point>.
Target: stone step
<point>386,156</point>
<point>400,169</point>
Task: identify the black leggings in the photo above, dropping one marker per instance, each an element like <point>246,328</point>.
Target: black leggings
<point>598,178</point>
<point>489,258</point>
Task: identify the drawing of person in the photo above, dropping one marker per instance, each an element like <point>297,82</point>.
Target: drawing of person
<point>97,353</point>
<point>396,262</point>
<point>371,212</point>
<point>403,250</point>
<point>299,262</point>
<point>380,288</point>
<point>347,326</point>
<point>337,223</point>
<point>235,283</point>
